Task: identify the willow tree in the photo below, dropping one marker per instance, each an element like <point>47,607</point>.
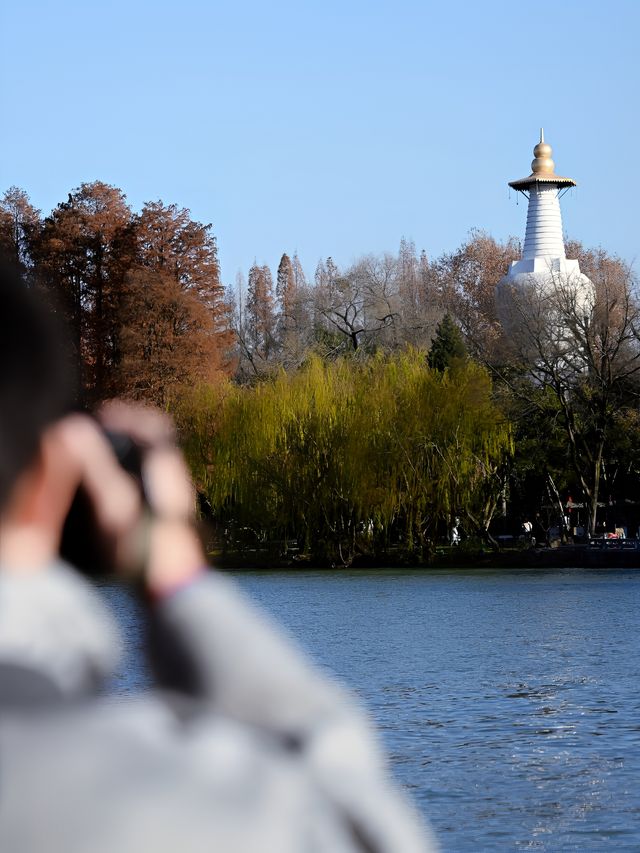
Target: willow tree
<point>444,444</point>
<point>349,456</point>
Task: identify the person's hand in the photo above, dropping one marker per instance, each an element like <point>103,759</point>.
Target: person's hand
<point>73,451</point>
<point>157,544</point>
<point>163,544</point>
<point>167,483</point>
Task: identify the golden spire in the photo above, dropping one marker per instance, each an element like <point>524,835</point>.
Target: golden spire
<point>543,164</point>
<point>542,169</point>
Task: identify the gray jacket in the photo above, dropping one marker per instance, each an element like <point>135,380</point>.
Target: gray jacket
<point>242,747</point>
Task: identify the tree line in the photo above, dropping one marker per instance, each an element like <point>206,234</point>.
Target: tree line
<point>569,381</point>
<point>379,303</point>
<point>150,319</point>
<point>140,292</point>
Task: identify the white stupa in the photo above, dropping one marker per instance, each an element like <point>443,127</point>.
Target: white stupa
<point>544,271</point>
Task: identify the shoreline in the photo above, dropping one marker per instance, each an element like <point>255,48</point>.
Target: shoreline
<point>564,556</point>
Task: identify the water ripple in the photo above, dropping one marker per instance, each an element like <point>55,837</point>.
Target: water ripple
<point>508,701</point>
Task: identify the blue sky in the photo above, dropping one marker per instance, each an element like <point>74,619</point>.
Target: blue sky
<point>333,128</point>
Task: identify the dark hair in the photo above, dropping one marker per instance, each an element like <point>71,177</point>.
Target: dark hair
<point>36,376</point>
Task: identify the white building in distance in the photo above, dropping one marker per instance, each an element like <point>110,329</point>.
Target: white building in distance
<point>543,277</point>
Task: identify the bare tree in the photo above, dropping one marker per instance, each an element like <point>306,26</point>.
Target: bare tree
<point>19,226</point>
<point>582,346</point>
<point>360,305</point>
<point>256,334</point>
<point>294,332</point>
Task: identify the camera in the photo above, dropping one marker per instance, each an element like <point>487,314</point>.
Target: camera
<point>83,544</point>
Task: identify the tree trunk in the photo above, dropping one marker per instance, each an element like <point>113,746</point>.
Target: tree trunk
<point>593,510</point>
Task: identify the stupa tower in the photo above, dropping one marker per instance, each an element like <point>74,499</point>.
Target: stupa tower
<point>543,264</point>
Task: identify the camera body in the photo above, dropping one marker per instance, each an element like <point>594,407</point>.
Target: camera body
<point>83,544</point>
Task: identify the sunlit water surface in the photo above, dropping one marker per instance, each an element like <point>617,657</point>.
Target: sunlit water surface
<point>508,701</point>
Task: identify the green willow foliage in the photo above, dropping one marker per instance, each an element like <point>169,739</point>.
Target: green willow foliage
<point>348,456</point>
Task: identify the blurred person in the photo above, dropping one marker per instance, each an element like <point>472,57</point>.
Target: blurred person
<point>241,746</point>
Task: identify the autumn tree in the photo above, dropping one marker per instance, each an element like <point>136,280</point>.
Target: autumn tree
<point>176,320</point>
<point>287,297</point>
<point>168,240</point>
<point>465,282</point>
<point>142,293</point>
<point>259,332</point>
<point>169,340</point>
<point>285,289</point>
<point>83,254</point>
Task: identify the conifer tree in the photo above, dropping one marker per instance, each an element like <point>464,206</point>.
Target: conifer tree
<point>286,290</point>
<point>83,253</point>
<point>448,345</point>
<point>298,273</point>
<point>294,329</point>
<point>176,318</point>
<point>260,315</point>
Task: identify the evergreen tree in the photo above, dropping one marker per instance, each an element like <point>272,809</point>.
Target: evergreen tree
<point>448,345</point>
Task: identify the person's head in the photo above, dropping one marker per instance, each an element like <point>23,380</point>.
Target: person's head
<point>36,377</point>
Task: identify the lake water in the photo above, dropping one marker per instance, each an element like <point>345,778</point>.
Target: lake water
<point>508,701</point>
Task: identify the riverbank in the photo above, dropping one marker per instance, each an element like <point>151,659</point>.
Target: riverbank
<point>564,556</point>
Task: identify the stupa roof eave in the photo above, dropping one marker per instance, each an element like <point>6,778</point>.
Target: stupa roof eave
<point>557,180</point>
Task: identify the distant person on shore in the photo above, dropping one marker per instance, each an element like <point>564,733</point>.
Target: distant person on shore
<point>242,747</point>
<point>455,532</point>
<point>539,530</point>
